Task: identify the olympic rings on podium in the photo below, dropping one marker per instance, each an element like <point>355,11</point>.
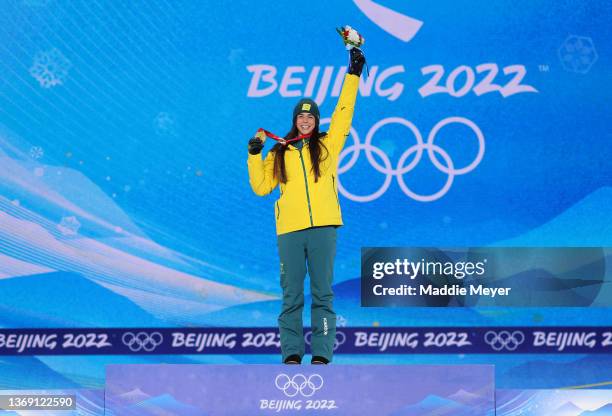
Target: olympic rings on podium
<point>291,386</point>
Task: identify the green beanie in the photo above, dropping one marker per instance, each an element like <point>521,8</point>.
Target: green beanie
<point>306,105</point>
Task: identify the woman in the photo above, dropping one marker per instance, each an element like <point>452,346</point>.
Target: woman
<point>307,214</point>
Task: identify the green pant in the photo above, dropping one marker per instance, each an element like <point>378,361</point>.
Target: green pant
<point>316,247</point>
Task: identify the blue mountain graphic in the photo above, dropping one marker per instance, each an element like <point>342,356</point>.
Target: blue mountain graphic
<point>435,405</point>
<point>602,411</point>
<point>568,409</point>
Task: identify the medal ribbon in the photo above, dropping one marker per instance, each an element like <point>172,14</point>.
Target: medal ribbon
<point>282,140</point>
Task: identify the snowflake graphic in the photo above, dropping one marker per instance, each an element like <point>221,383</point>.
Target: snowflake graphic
<point>36,152</point>
<point>69,226</point>
<point>50,68</point>
<point>341,321</point>
<point>578,54</point>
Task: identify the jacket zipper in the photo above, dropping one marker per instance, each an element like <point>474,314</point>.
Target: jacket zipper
<point>277,205</point>
<point>336,193</point>
<point>306,182</point>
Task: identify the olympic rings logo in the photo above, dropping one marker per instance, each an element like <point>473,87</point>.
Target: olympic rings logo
<point>504,340</point>
<point>142,341</point>
<point>291,386</point>
<point>402,168</point>
<point>340,339</point>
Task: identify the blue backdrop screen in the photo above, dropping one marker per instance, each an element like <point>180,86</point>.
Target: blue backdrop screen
<point>124,195</point>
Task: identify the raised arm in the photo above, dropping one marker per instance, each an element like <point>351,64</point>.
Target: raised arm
<point>340,125</point>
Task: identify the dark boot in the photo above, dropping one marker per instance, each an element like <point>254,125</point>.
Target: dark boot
<point>293,359</point>
<point>317,360</point>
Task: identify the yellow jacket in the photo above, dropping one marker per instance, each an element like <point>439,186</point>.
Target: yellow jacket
<point>304,203</point>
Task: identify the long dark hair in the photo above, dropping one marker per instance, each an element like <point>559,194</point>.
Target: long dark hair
<point>315,146</point>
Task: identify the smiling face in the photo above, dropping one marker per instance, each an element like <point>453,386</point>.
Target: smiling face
<point>305,123</point>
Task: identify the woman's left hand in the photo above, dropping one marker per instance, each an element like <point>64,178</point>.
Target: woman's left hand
<point>357,60</point>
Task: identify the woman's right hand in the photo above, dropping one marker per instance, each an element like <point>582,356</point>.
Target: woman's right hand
<point>257,142</point>
<point>255,145</point>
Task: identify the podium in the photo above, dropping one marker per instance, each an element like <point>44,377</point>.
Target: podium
<point>300,389</point>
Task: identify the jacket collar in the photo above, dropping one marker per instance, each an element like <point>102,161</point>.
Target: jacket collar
<point>292,147</point>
